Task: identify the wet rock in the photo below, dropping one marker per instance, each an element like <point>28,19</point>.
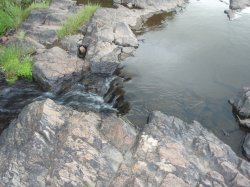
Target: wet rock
<point>127,52</point>
<point>97,83</point>
<point>53,145</point>
<point>55,70</point>
<point>246,146</point>
<point>103,57</point>
<point>241,105</point>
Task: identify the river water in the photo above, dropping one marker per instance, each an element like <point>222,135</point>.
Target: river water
<point>190,66</point>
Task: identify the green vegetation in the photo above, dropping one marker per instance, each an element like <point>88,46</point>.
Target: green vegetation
<point>72,24</point>
<point>15,63</point>
<point>12,14</point>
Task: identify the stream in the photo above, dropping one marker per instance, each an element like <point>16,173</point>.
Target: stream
<point>189,66</point>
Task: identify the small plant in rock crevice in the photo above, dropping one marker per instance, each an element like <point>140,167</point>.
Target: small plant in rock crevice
<point>12,14</point>
<point>74,22</point>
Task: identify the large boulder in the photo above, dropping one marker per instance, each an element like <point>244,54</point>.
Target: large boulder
<point>241,105</point>
<point>52,145</point>
<point>171,152</point>
<point>55,70</point>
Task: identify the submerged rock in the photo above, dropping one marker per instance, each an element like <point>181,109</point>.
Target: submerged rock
<point>52,145</point>
<point>55,69</point>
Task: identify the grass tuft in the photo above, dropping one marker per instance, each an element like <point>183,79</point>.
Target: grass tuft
<point>15,63</point>
<point>12,14</point>
<point>74,22</point>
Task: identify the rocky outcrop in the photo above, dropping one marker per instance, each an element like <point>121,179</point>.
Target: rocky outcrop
<point>171,152</point>
<point>235,6</point>
<point>52,145</point>
<point>241,106</point>
<point>109,34</point>
<point>42,24</point>
<point>55,70</point>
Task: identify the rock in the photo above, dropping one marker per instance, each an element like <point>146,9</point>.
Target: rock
<point>70,43</point>
<point>171,152</point>
<point>127,52</point>
<point>151,4</point>
<point>236,5</point>
<point>239,4</point>
<point>42,24</point>
<point>124,36</point>
<point>52,145</point>
<point>246,146</point>
<point>110,30</point>
<point>55,70</point>
<point>241,105</point>
<point>103,57</point>
<point>121,135</point>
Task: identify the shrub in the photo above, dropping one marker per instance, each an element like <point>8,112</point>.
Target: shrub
<point>72,24</point>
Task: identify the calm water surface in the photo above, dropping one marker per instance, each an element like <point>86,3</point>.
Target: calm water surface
<point>190,66</point>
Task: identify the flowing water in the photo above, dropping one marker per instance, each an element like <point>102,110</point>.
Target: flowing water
<point>16,96</point>
<point>190,66</point>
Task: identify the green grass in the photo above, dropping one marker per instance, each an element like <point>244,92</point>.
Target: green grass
<point>15,63</point>
<point>42,5</point>
<point>12,14</point>
<point>74,22</point>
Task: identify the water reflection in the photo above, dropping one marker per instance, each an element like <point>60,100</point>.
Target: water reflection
<point>191,68</point>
